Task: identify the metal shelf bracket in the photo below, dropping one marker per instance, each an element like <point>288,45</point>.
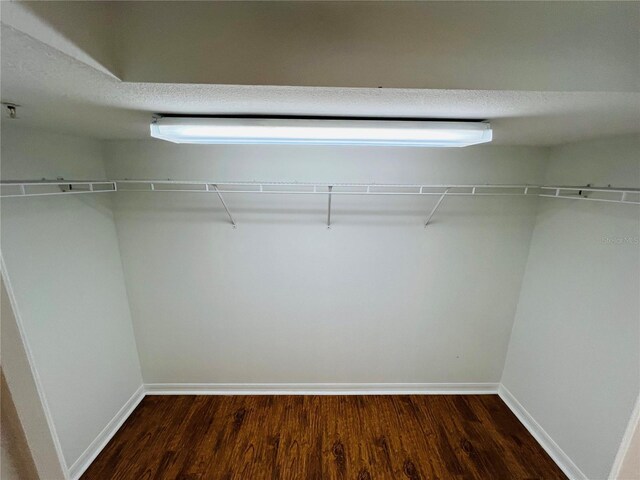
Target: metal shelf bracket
<point>435,207</point>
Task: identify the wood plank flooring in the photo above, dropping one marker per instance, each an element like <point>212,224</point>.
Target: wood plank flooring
<point>323,437</point>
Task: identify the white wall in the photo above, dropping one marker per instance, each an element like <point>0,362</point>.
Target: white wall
<point>30,407</point>
<point>282,299</point>
<point>64,266</point>
<point>375,299</point>
<point>573,360</point>
<point>549,46</point>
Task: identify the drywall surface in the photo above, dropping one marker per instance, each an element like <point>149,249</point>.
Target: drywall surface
<point>377,298</point>
<point>574,46</point>
<point>30,409</point>
<point>15,455</point>
<point>35,155</point>
<point>64,266</point>
<point>573,358</point>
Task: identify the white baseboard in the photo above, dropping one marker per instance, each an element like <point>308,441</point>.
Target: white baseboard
<point>543,438</point>
<point>92,451</point>
<point>319,388</point>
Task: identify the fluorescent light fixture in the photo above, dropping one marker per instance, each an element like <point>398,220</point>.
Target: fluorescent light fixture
<point>317,131</point>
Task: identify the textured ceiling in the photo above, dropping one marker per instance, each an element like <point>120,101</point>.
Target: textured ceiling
<point>66,88</point>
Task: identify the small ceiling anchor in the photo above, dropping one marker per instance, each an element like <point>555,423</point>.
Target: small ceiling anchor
<point>12,109</point>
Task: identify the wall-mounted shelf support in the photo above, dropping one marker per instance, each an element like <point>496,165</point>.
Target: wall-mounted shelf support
<point>224,204</point>
<point>435,207</point>
<point>329,207</point>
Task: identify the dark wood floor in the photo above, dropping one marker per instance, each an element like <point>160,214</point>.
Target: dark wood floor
<point>323,437</point>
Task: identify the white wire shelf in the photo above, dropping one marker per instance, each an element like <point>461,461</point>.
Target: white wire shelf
<point>30,188</point>
<point>35,188</point>
<point>298,188</point>
<point>68,187</point>
<point>594,194</point>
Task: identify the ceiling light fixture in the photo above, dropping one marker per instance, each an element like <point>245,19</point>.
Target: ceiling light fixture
<point>319,131</point>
